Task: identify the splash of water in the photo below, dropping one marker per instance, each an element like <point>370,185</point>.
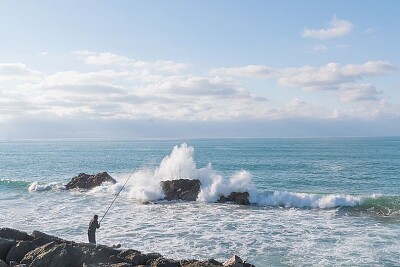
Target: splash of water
<point>145,184</point>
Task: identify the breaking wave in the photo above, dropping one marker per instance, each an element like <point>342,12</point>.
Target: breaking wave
<point>37,187</point>
<point>145,185</point>
<point>13,184</point>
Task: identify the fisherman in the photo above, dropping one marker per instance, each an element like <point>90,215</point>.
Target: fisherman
<point>93,225</point>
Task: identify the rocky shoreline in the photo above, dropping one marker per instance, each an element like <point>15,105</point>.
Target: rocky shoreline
<point>19,249</point>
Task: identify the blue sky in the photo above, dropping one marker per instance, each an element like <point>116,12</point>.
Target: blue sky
<point>179,69</point>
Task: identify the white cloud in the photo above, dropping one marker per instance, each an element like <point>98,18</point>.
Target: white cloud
<point>337,28</point>
<point>246,71</point>
<point>331,76</point>
<point>107,58</point>
<point>18,71</point>
<point>359,92</point>
<point>120,88</point>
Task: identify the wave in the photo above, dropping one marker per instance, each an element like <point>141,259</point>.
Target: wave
<point>14,183</point>
<point>37,187</point>
<point>374,203</point>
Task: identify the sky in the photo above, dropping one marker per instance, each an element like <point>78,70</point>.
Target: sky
<point>199,69</point>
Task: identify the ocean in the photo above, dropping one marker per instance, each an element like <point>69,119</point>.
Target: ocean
<point>315,202</point>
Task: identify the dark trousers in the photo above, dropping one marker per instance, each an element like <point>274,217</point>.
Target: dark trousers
<point>92,237</point>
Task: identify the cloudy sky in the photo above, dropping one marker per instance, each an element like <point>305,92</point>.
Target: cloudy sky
<point>186,69</point>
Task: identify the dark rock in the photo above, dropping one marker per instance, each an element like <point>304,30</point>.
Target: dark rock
<point>3,264</point>
<point>183,189</point>
<point>196,263</point>
<point>55,255</point>
<point>40,237</point>
<point>162,262</point>
<point>87,181</point>
<point>236,261</point>
<point>123,264</point>
<point>9,233</point>
<point>18,252</point>
<point>5,247</point>
<point>240,198</point>
<point>136,257</point>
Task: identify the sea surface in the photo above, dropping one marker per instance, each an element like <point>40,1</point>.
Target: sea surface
<point>315,202</point>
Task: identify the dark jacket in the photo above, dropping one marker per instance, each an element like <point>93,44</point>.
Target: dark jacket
<point>93,225</point>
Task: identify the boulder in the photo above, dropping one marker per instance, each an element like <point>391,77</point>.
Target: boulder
<point>162,262</point>
<point>240,198</point>
<point>40,236</point>
<point>55,255</point>
<point>236,261</point>
<point>183,189</point>
<point>9,233</point>
<point>5,246</point>
<point>18,252</point>
<point>196,263</point>
<point>135,257</point>
<point>86,181</point>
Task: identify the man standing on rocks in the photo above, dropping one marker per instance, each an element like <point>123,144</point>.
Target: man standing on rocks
<point>93,225</point>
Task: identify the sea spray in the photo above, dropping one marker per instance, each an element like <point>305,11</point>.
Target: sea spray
<point>37,187</point>
<point>180,164</point>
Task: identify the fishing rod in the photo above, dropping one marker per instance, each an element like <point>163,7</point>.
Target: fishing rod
<point>117,195</point>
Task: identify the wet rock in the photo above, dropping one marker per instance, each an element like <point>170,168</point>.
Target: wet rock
<point>86,181</point>
<point>5,247</point>
<point>9,233</point>
<point>183,189</point>
<point>240,198</point>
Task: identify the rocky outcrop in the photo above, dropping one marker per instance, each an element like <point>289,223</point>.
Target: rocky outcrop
<point>86,181</point>
<point>5,246</point>
<point>236,261</point>
<point>183,189</point>
<point>240,198</point>
<point>41,249</point>
<point>9,233</point>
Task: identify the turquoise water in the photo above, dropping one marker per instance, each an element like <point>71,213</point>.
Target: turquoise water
<point>318,202</point>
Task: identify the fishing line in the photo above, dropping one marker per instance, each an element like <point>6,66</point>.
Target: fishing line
<point>117,195</point>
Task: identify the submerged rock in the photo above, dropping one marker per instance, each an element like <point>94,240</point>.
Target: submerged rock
<point>183,189</point>
<point>87,181</point>
<point>240,198</point>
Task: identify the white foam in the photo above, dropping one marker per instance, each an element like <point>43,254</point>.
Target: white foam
<point>36,187</point>
<point>304,200</point>
<point>145,184</point>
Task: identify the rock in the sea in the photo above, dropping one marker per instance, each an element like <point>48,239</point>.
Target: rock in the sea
<point>240,198</point>
<point>183,189</point>
<point>9,233</point>
<point>87,181</point>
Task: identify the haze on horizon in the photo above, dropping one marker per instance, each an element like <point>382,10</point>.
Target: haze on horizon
<point>187,69</point>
